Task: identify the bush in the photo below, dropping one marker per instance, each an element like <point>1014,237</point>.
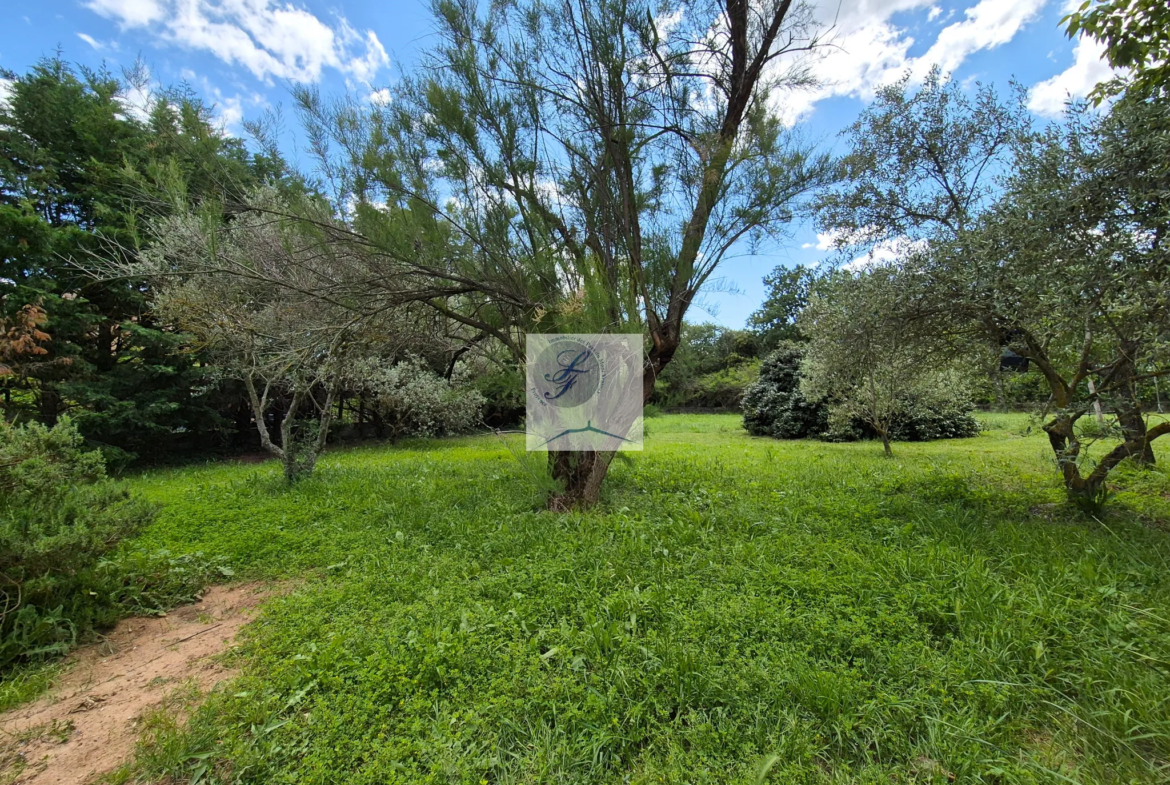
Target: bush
<point>409,399</point>
<point>774,406</point>
<point>711,369</point>
<point>59,515</point>
<point>722,389</point>
<point>502,389</point>
<point>931,414</point>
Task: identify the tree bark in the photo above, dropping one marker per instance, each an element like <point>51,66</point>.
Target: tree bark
<point>581,475</point>
<point>1096,402</point>
<point>1066,446</point>
<point>259,410</point>
<point>1129,410</point>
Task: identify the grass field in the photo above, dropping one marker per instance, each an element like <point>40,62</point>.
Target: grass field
<point>736,610</point>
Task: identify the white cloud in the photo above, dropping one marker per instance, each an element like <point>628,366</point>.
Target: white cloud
<point>869,50</point>
<point>96,44</point>
<point>989,24</point>
<point>138,99</point>
<point>227,109</point>
<point>1087,71</point>
<point>5,90</point>
<point>133,13</point>
<point>885,252</point>
<point>826,241</point>
<point>380,97</point>
<point>267,37</point>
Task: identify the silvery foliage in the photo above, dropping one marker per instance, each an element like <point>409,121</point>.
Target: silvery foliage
<point>412,400</point>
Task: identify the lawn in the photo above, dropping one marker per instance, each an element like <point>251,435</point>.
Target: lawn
<point>736,610</point>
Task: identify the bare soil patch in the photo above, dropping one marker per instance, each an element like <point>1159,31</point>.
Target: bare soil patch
<point>87,724</point>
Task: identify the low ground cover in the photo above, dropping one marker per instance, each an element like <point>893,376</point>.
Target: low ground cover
<point>737,609</point>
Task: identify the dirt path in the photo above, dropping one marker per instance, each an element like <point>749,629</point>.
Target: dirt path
<point>88,723</point>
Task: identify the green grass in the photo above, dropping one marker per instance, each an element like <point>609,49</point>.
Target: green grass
<point>736,610</point>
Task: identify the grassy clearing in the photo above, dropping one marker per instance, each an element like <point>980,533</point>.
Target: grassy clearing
<point>737,610</point>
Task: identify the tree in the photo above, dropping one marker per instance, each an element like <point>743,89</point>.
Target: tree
<point>775,405</point>
<point>590,164</point>
<point>22,339</point>
<point>858,358</point>
<point>1136,35</point>
<point>1070,270</point>
<point>776,319</point>
<point>292,352</point>
<point>918,164</point>
<point>710,368</point>
<point>921,165</point>
<point>79,177</point>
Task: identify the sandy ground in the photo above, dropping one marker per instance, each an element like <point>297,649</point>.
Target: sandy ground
<point>88,723</point>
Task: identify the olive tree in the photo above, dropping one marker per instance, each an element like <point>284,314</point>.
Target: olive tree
<point>864,363</point>
<point>246,290</point>
<point>580,166</point>
<point>1070,270</point>
<point>921,162</point>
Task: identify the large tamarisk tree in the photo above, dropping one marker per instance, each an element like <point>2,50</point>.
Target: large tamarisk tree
<point>592,162</point>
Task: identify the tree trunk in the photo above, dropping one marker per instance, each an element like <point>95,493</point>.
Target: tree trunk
<point>259,415</point>
<point>294,464</point>
<point>50,404</point>
<point>580,473</point>
<point>1129,410</point>
<point>1062,438</point>
<point>886,444</point>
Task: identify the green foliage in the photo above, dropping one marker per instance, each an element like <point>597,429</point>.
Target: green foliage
<point>1136,34</point>
<point>63,568</point>
<point>1017,391</point>
<point>919,163</point>
<point>733,606</point>
<point>79,176</point>
<point>722,389</point>
<point>1067,269</point>
<point>711,369</point>
<point>775,406</point>
<point>788,291</point>
<point>942,411</point>
<point>411,400</point>
<point>58,517</point>
<point>503,394</point>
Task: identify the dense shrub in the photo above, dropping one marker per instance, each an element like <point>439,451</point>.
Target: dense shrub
<point>941,413</point>
<point>722,389</point>
<point>409,399</point>
<point>502,390</point>
<point>775,406</point>
<point>59,515</point>
<point>1014,390</point>
<point>711,369</point>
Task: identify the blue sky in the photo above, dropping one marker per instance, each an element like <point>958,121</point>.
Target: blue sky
<point>243,56</point>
